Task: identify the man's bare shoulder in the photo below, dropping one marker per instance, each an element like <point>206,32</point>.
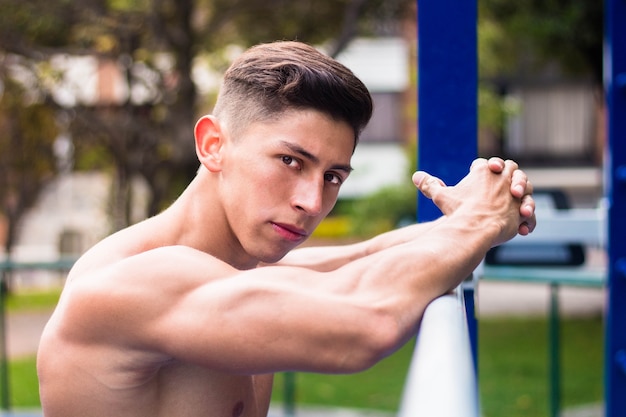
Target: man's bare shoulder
<point>111,322</point>
<point>127,281</point>
<point>140,244</point>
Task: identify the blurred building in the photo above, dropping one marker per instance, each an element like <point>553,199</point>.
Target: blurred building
<point>381,158</point>
<point>555,129</point>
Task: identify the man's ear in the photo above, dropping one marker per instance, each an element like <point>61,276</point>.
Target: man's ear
<point>209,142</point>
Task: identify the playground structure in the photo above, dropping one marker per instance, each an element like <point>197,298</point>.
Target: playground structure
<point>442,378</point>
<point>447,100</point>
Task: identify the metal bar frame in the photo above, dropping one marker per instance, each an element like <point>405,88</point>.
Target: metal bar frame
<point>447,92</point>
<point>441,381</point>
<point>447,101</point>
<point>447,143</point>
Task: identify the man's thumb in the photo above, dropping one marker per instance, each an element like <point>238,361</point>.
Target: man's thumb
<point>426,183</point>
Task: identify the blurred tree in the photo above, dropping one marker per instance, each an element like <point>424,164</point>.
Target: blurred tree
<point>27,159</point>
<point>529,39</point>
<point>523,37</point>
<point>154,44</point>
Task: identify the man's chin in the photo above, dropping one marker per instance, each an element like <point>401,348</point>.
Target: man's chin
<point>271,258</point>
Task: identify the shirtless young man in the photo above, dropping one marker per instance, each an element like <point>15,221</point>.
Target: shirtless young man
<point>189,313</point>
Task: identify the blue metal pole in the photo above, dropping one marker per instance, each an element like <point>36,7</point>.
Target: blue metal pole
<point>447,100</point>
<point>469,298</point>
<point>615,86</point>
<point>447,92</point>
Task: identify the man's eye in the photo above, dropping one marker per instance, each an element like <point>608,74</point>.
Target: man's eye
<point>333,178</point>
<point>290,161</point>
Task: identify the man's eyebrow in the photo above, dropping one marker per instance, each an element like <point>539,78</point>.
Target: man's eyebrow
<point>308,155</point>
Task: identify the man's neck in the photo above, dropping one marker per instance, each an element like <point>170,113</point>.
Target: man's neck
<point>200,223</point>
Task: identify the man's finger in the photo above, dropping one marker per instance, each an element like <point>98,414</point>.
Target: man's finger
<point>477,162</point>
<point>519,183</point>
<point>496,164</point>
<point>426,183</point>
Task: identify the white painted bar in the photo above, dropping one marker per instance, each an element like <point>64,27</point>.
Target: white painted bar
<point>442,381</point>
<point>581,226</point>
<point>585,226</point>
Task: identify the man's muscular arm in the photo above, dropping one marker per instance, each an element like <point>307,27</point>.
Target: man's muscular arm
<point>278,318</point>
<point>328,258</point>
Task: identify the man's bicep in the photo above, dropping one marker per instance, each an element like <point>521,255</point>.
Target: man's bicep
<point>268,320</point>
<point>230,325</point>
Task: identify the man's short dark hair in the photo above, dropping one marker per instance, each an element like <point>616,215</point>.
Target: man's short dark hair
<point>270,79</point>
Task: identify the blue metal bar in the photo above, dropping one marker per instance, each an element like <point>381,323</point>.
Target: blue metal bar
<point>615,86</point>
<point>447,100</point>
<point>447,92</point>
<point>469,299</point>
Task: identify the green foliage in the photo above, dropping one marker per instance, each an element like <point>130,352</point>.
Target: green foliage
<point>313,22</point>
<point>28,131</point>
<point>387,208</point>
<point>383,210</point>
<point>493,109</point>
<point>530,39</point>
<point>34,22</point>
<point>521,36</point>
<point>129,5</point>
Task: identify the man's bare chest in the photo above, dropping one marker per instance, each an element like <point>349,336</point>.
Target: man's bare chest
<point>188,390</point>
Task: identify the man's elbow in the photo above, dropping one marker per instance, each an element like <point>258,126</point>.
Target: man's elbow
<point>381,336</point>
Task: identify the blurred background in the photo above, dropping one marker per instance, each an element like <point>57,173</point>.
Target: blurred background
<point>98,100</point>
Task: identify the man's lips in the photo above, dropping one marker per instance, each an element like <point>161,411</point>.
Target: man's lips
<point>290,232</point>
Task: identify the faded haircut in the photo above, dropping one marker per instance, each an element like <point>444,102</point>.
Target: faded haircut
<point>270,79</point>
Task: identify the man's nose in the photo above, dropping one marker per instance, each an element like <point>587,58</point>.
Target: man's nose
<point>308,197</point>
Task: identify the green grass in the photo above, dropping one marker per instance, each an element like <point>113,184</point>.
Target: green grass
<point>377,388</point>
<point>24,384</point>
<point>513,367</point>
<point>513,371</point>
<point>32,300</point>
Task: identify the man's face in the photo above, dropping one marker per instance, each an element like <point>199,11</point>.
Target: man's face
<point>280,178</point>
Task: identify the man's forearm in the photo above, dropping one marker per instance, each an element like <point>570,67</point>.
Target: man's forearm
<point>329,258</point>
<point>399,236</point>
